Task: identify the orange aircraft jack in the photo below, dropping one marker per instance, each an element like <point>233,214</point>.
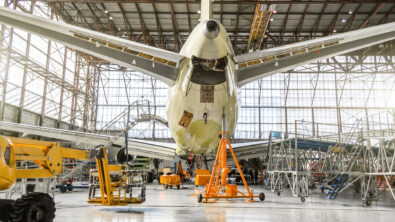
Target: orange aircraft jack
<point>218,188</point>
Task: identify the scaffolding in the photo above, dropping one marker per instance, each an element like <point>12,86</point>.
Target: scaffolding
<point>362,158</point>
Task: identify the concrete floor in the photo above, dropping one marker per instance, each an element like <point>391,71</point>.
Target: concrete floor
<point>179,205</point>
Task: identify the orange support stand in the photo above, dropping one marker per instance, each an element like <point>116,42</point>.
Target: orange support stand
<point>218,187</point>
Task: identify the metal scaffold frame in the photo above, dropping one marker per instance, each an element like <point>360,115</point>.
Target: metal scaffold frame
<point>363,158</point>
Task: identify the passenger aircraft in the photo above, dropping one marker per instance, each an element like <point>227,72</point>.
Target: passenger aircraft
<point>205,76</point>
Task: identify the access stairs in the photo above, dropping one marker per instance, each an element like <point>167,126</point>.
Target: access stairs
<point>336,186</point>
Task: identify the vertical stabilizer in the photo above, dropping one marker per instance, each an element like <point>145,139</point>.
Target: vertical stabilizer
<point>206,10</point>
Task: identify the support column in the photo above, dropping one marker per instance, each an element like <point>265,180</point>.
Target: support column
<point>7,68</point>
<point>2,33</point>
<point>286,82</point>
<point>45,89</point>
<point>94,104</point>
<point>286,122</point>
<point>259,109</point>
<point>74,101</point>
<point>85,115</point>
<point>23,88</point>
<point>339,124</point>
<point>153,84</point>
<point>313,122</point>
<point>367,119</point>
<point>44,98</point>
<point>60,115</point>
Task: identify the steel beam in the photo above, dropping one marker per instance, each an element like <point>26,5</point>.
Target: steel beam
<point>128,27</point>
<point>300,24</point>
<point>159,27</point>
<point>177,39</point>
<point>375,11</point>
<point>142,25</point>
<point>236,28</point>
<point>351,20</point>
<point>284,24</point>
<point>110,24</point>
<point>189,16</point>
<point>228,2</point>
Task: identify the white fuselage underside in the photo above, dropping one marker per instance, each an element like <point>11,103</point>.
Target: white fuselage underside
<point>200,136</point>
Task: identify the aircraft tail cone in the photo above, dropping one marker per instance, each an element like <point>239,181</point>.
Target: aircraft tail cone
<point>211,29</point>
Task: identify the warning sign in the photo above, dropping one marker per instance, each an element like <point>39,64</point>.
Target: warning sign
<point>186,119</point>
<point>207,94</point>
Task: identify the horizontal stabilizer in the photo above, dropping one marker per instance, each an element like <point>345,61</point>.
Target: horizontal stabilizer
<point>263,63</point>
<point>157,63</point>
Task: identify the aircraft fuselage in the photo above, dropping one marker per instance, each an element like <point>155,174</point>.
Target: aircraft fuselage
<point>205,88</point>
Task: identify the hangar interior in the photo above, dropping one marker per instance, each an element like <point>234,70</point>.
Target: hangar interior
<point>317,107</point>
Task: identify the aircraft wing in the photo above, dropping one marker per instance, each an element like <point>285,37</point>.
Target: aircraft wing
<point>146,148</point>
<point>158,63</point>
<point>259,64</point>
<point>250,149</point>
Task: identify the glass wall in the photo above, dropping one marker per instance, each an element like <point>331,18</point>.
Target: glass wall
<point>39,75</point>
<point>328,93</point>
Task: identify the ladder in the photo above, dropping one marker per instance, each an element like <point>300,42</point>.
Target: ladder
<point>259,25</point>
<point>337,185</point>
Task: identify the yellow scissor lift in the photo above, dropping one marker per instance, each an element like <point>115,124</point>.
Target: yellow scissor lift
<point>46,158</point>
<point>115,182</point>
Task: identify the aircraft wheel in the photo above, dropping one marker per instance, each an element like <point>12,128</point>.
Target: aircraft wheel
<point>63,189</point>
<point>261,196</point>
<point>150,177</point>
<point>278,193</point>
<point>368,203</point>
<point>302,199</point>
<point>200,198</point>
<point>178,187</point>
<point>70,187</point>
<point>166,186</point>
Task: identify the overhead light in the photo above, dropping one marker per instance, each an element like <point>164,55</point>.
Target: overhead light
<point>274,11</point>
<point>198,11</point>
<point>119,29</point>
<point>106,11</point>
<point>272,19</point>
<point>334,30</point>
<point>350,12</point>
<point>110,18</point>
<point>344,20</point>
